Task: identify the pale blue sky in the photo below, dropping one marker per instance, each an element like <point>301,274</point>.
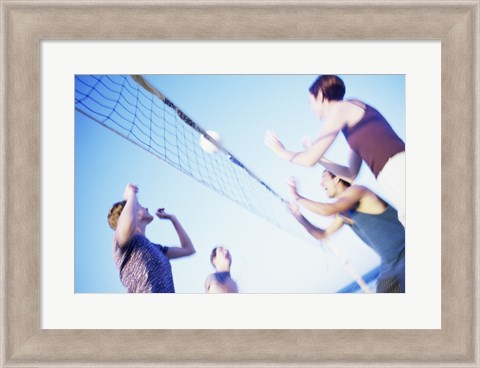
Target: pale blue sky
<point>241,108</point>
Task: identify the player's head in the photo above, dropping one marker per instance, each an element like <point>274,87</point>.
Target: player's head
<point>328,87</point>
<point>220,257</point>
<point>114,214</point>
<point>332,184</point>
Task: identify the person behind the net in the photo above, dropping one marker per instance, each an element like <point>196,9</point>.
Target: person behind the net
<point>369,216</point>
<point>368,134</point>
<point>221,281</point>
<point>144,267</point>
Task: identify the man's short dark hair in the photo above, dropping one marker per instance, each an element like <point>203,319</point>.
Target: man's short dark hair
<point>213,255</point>
<point>344,182</point>
<point>331,86</point>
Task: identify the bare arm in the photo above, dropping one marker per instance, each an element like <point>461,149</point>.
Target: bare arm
<point>349,172</point>
<point>348,199</point>
<point>186,246</point>
<point>324,209</point>
<point>315,152</point>
<point>127,222</point>
<point>313,230</point>
<point>215,288</point>
<point>212,286</point>
<point>208,282</point>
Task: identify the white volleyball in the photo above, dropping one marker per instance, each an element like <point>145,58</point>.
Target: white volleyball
<point>208,146</point>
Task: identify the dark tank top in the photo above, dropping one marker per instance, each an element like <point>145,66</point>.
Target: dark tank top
<point>385,235</point>
<point>373,139</point>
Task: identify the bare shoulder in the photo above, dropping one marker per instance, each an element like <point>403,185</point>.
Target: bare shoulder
<point>354,193</point>
<point>210,278</point>
<point>337,115</point>
<point>356,189</point>
<point>353,111</point>
<point>371,203</point>
<point>365,193</point>
<point>340,108</point>
<point>346,107</point>
<point>214,286</point>
<point>360,188</point>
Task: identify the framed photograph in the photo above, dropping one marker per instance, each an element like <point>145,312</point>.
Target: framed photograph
<point>32,180</point>
<point>240,189</point>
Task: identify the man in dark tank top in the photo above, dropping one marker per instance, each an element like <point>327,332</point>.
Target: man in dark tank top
<point>373,220</point>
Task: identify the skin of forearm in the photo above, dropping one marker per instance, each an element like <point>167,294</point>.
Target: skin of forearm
<point>315,152</point>
<point>287,155</point>
<point>323,209</point>
<point>349,172</point>
<point>302,158</point>
<point>336,169</point>
<point>185,241</point>
<point>316,232</point>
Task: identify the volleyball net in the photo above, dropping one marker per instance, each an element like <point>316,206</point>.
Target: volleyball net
<point>136,110</point>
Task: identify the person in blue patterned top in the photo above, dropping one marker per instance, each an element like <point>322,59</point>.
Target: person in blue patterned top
<point>144,267</point>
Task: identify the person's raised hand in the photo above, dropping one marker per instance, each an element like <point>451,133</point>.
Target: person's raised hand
<point>130,190</point>
<point>272,141</point>
<point>292,185</point>
<point>161,214</point>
